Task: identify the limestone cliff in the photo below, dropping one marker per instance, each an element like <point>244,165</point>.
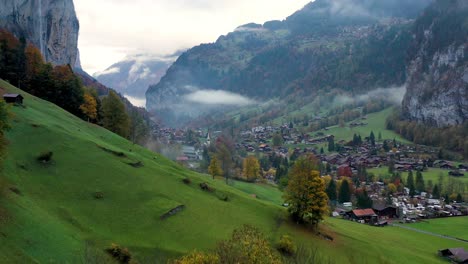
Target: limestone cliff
<point>438,69</point>
<point>51,25</point>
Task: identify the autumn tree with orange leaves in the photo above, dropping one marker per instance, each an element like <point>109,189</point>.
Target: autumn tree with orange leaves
<point>89,107</point>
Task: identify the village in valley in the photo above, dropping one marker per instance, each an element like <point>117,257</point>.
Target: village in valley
<point>380,167</point>
<point>389,182</point>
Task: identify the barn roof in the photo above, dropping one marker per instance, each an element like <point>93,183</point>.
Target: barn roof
<point>363,212</point>
<point>11,95</point>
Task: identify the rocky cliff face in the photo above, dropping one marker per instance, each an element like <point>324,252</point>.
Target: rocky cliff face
<point>51,25</point>
<point>437,84</point>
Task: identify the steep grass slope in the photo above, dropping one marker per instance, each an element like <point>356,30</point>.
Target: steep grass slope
<point>56,211</point>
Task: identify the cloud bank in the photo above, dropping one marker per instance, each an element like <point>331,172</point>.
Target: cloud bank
<point>392,94</point>
<point>108,71</point>
<point>218,97</point>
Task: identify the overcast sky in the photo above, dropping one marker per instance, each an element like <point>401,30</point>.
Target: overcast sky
<point>112,29</point>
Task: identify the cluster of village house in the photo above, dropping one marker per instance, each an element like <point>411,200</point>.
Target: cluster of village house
<point>403,209</point>
<point>349,160</point>
<point>257,139</point>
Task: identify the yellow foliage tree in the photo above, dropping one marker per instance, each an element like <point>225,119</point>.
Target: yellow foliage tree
<point>215,167</point>
<point>89,107</point>
<point>391,188</point>
<point>305,193</point>
<point>251,168</point>
<point>247,245</point>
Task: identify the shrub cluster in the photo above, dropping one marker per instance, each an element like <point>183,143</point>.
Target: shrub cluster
<point>286,246</point>
<point>122,255</point>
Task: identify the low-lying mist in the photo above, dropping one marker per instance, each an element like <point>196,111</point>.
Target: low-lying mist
<point>218,97</point>
<point>392,95</point>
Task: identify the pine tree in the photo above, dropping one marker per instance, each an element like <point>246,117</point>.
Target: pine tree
<point>385,146</point>
<point>410,184</point>
<point>114,117</point>
<point>305,193</point>
<point>380,136</point>
<point>363,200</point>
<point>344,194</point>
<point>420,186</point>
<point>372,138</point>
<point>436,192</point>
<point>331,191</point>
<point>331,144</point>
<point>459,198</point>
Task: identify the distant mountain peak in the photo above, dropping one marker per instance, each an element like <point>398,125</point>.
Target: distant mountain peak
<point>135,73</point>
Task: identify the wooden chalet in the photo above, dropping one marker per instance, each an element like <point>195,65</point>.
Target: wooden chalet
<point>13,98</point>
<point>362,215</point>
<point>455,255</point>
<point>385,212</point>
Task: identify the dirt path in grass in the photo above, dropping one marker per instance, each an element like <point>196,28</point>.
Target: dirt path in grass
<point>429,233</point>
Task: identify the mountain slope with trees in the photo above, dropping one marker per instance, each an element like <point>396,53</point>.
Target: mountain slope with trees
<point>323,46</point>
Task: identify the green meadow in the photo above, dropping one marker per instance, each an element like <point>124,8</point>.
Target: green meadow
<point>375,122</point>
<point>431,174</point>
<point>453,226</point>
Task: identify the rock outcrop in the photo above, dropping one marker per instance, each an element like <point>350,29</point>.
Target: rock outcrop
<point>437,75</point>
<point>51,25</point>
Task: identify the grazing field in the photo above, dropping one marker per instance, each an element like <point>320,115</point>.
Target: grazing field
<point>261,191</point>
<point>453,226</point>
<point>388,244</point>
<point>375,122</point>
<point>432,174</point>
<point>89,195</point>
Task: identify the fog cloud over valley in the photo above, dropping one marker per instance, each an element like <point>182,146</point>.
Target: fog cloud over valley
<point>392,95</point>
<point>218,97</point>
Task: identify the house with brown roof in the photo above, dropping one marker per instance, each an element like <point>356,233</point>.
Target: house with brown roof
<point>362,216</point>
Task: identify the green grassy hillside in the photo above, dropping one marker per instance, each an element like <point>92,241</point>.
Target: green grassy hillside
<point>90,196</point>
<point>56,211</point>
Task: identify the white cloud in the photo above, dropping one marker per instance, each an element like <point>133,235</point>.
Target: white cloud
<point>391,94</point>
<point>140,102</point>
<point>217,97</point>
<point>108,71</point>
<point>110,30</point>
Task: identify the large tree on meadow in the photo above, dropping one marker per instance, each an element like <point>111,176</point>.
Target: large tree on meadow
<point>251,168</point>
<point>305,193</point>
